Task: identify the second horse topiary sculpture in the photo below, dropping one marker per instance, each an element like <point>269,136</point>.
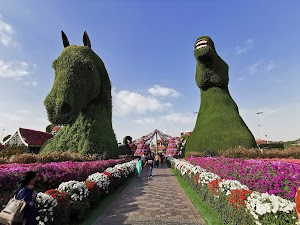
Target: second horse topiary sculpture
<point>80,100</point>
<point>219,125</point>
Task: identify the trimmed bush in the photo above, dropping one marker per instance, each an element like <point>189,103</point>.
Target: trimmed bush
<point>219,125</point>
<point>81,99</point>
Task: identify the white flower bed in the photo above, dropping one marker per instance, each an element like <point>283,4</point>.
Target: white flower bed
<point>259,204</point>
<point>114,172</point>
<point>75,189</point>
<point>45,204</point>
<point>206,177</point>
<point>228,185</point>
<point>101,179</point>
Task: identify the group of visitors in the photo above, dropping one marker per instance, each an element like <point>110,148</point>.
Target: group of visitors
<point>150,160</point>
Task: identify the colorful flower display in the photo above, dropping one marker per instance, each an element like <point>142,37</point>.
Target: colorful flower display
<point>272,177</point>
<point>45,204</point>
<point>259,205</point>
<point>52,174</point>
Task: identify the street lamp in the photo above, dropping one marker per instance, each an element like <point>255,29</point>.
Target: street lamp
<point>2,135</point>
<point>261,132</point>
<point>262,124</point>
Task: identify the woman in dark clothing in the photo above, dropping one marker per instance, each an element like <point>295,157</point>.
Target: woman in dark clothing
<point>27,192</point>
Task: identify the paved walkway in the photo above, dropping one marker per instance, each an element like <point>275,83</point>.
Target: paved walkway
<point>159,201</point>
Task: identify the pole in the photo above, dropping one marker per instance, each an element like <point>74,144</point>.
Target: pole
<point>261,132</point>
<point>262,124</point>
<point>2,135</point>
<point>156,142</point>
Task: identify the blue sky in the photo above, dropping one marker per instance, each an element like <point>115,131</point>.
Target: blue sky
<point>147,47</point>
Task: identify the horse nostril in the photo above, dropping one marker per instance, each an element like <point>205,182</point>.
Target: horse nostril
<point>66,108</point>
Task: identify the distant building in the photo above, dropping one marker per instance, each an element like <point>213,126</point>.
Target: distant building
<point>260,141</point>
<point>55,130</point>
<point>32,139</point>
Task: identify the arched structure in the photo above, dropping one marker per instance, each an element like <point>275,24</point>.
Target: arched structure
<point>144,142</point>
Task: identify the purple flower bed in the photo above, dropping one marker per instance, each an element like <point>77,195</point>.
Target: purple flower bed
<point>279,178</point>
<point>52,174</point>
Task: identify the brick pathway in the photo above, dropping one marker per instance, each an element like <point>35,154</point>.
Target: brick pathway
<point>159,201</point>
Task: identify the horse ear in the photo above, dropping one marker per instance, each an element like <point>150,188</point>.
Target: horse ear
<point>86,40</point>
<point>65,39</point>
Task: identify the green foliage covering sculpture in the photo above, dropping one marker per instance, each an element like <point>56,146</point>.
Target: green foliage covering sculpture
<point>80,99</point>
<point>219,125</point>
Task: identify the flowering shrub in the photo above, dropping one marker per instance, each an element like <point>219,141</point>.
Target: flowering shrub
<point>75,189</point>
<point>52,174</point>
<point>227,185</point>
<point>206,177</point>
<point>213,186</point>
<point>232,195</point>
<point>237,198</point>
<point>114,172</point>
<point>279,178</point>
<point>62,210</point>
<point>45,207</point>
<point>94,193</point>
<point>259,204</point>
<point>101,180</point>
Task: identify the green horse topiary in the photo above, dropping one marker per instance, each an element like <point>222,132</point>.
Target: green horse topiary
<point>219,125</point>
<point>80,100</point>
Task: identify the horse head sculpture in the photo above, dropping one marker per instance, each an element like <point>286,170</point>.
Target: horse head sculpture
<point>81,99</point>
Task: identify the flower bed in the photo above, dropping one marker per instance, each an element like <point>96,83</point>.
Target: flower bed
<point>52,174</point>
<point>279,178</point>
<point>77,204</point>
<point>233,201</point>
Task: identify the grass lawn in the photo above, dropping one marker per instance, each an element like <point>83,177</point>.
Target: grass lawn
<point>95,213</point>
<point>208,215</point>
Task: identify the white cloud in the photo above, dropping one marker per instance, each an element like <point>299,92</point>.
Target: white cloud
<point>253,68</point>
<point>241,49</point>
<point>6,32</point>
<point>9,116</point>
<point>125,102</point>
<point>23,111</point>
<point>31,83</point>
<point>261,65</point>
<point>14,69</point>
<point>145,120</point>
<point>157,90</point>
<point>182,118</point>
<point>270,66</point>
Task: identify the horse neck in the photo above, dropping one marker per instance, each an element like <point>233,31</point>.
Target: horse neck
<point>216,97</point>
<point>96,112</point>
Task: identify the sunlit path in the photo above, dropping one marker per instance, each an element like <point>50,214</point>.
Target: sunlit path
<point>158,201</point>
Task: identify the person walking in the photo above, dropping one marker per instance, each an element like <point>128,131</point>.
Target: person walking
<point>27,192</point>
<point>139,167</point>
<point>149,163</point>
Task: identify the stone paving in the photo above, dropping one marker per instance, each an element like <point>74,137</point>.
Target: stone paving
<point>158,201</point>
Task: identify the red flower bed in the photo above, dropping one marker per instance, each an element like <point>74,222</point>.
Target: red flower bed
<point>34,137</point>
<point>238,197</point>
<point>213,186</point>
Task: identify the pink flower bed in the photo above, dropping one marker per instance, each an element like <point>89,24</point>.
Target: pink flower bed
<point>273,177</point>
<point>295,161</point>
<point>52,174</point>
